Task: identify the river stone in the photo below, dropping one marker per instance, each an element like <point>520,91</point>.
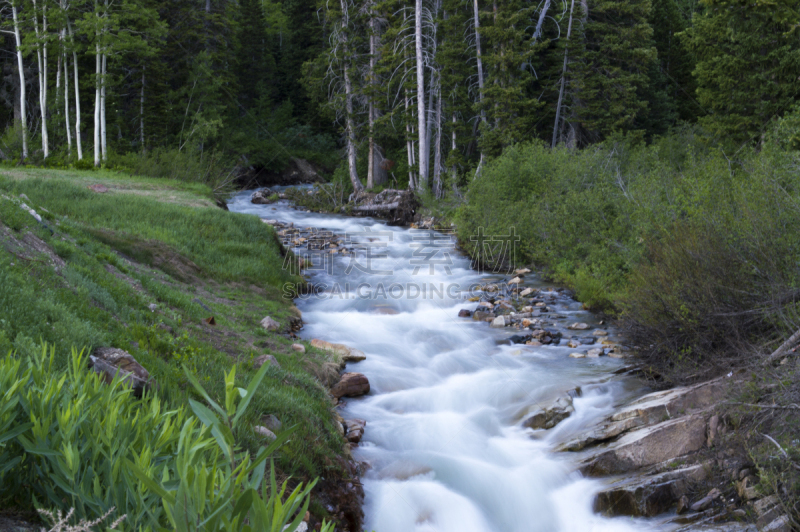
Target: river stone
<point>577,355</point>
<point>261,197</point>
<point>108,361</point>
<point>526,292</point>
<point>577,326</point>
<point>499,322</point>
<point>481,315</point>
<point>521,271</point>
<point>351,385</point>
<point>549,417</point>
<point>299,348</point>
<point>464,313</point>
<point>707,501</point>
<point>354,430</point>
<point>649,446</point>
<point>599,332</point>
<point>346,353</point>
<point>594,353</point>
<point>266,359</point>
<point>270,324</point>
<point>515,280</point>
<point>572,344</point>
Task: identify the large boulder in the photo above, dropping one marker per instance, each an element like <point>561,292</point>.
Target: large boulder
<point>649,446</point>
<point>351,385</point>
<point>108,361</point>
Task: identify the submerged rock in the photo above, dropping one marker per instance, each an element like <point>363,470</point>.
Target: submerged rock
<point>262,197</point>
<point>549,417</point>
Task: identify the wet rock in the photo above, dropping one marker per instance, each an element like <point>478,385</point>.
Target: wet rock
<point>499,322</point>
<point>577,355</point>
<point>108,361</point>
<point>573,344</point>
<point>522,271</point>
<point>464,313</point>
<point>587,341</point>
<point>270,324</point>
<point>264,432</point>
<point>526,292</point>
<point>266,359</point>
<point>650,495</point>
<point>599,332</point>
<point>595,353</point>
<point>549,417</point>
<point>578,327</point>
<point>707,501</point>
<point>299,348</point>
<point>648,446</point>
<point>480,315</point>
<point>519,338</point>
<point>351,385</point>
<point>354,430</point>
<point>515,280</point>
<point>261,197</point>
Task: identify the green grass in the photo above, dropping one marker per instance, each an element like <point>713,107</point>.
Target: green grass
<point>124,251</point>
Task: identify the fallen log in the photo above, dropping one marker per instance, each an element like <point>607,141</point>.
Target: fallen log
<point>377,207</point>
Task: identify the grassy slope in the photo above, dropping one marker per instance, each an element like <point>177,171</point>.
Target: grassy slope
<point>148,241</point>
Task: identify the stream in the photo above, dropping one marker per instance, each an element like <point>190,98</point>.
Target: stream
<point>444,440</point>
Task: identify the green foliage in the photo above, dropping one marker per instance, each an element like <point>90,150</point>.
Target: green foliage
<point>159,467</point>
<point>696,252</point>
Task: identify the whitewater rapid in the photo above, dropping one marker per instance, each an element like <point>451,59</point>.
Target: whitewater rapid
<point>443,440</point>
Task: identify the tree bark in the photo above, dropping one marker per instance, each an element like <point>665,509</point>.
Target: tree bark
<point>77,84</point>
<point>371,110</point>
<point>438,190</point>
<point>141,113</point>
<point>542,15</point>
<point>41,56</point>
<point>563,79</point>
<point>349,125</point>
<point>422,182</point>
<point>97,105</point>
<point>66,103</point>
<point>480,72</point>
<point>103,128</point>
<point>22,97</point>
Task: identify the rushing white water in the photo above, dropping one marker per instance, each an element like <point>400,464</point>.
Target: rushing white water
<point>443,436</point>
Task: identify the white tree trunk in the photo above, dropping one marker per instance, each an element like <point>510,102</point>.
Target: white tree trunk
<point>371,110</point>
<point>478,55</point>
<point>348,94</point>
<point>22,103</point>
<point>542,15</point>
<point>103,143</point>
<point>77,96</point>
<point>66,104</point>
<point>141,114</point>
<point>422,182</point>
<point>438,190</point>
<point>41,56</point>
<point>97,105</point>
<point>563,79</point>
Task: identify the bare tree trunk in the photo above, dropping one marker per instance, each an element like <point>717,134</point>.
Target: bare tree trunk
<point>77,96</point>
<point>438,190</point>
<point>349,126</point>
<point>542,15</point>
<point>371,110</point>
<point>422,183</point>
<point>41,56</point>
<point>66,104</point>
<point>22,98</point>
<point>103,124</point>
<point>480,72</point>
<point>563,78</point>
<point>141,114</point>
<point>97,105</point>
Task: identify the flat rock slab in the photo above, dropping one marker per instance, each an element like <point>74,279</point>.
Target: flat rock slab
<point>346,353</point>
<point>648,446</point>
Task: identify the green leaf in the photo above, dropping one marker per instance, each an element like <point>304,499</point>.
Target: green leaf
<point>150,483</point>
<point>16,431</point>
<point>204,414</point>
<point>202,392</point>
<point>251,390</point>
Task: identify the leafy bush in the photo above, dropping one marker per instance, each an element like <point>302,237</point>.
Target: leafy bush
<point>68,440</point>
<point>697,251</point>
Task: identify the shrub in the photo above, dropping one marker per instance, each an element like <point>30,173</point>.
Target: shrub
<point>70,441</point>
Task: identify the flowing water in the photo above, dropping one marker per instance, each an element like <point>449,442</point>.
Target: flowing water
<point>443,437</point>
